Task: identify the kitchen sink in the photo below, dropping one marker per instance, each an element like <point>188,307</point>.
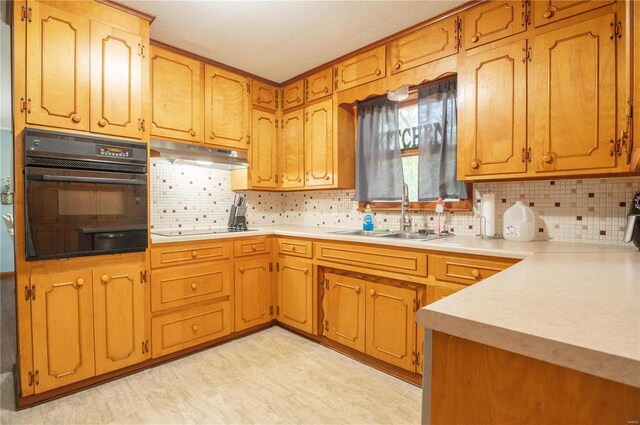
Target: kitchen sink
<point>407,235</point>
<point>360,232</point>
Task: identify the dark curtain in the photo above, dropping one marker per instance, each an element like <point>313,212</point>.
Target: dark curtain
<point>438,142</point>
<point>378,157</point>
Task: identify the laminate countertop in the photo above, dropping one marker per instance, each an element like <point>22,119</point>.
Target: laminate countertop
<point>576,305</point>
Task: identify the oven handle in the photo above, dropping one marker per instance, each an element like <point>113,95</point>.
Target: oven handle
<point>105,180</point>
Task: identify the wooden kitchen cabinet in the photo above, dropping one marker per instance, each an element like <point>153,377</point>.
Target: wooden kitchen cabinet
<point>263,160</point>
<point>295,293</point>
<point>264,95</point>
<point>318,144</point>
<point>425,45</point>
<point>119,317</point>
<point>291,150</point>
<point>116,83</point>
<point>493,21</point>
<point>58,60</point>
<point>360,69</point>
<point>62,328</point>
<point>226,108</point>
<point>293,95</point>
<point>492,128</point>
<point>345,312</point>
<point>319,85</point>
<point>252,292</point>
<point>547,11</point>
<point>573,82</point>
<point>176,96</point>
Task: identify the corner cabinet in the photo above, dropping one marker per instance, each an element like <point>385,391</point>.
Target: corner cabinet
<point>345,310</point>
<point>253,292</point>
<point>295,293</point>
<point>263,157</point>
<point>291,150</point>
<point>318,144</point>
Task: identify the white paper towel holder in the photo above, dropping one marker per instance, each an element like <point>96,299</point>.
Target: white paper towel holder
<point>483,225</point>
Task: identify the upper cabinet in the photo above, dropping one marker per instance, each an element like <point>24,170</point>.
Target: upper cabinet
<point>264,95</point>
<point>494,20</point>
<point>360,69</point>
<point>319,85</point>
<point>176,96</point>
<point>425,45</point>
<point>291,148</point>
<point>547,11</point>
<point>226,108</point>
<point>263,158</point>
<point>293,95</point>
<point>318,144</point>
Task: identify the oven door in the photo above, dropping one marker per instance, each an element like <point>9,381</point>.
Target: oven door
<point>72,213</point>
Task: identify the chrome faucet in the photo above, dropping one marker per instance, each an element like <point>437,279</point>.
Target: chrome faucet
<point>405,220</point>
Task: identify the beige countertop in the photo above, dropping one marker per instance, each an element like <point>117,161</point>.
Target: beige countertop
<point>572,304</point>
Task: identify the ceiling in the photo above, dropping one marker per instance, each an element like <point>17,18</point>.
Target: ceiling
<point>278,40</point>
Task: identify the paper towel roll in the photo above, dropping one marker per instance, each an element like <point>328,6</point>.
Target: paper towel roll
<point>489,213</point>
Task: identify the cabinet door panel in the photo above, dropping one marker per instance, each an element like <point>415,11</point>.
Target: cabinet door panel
<point>62,320</point>
<point>264,95</point>
<point>547,11</point>
<point>319,85</point>
<point>252,293</point>
<point>263,168</point>
<point>226,108</point>
<point>293,95</point>
<point>425,45</point>
<point>116,85</point>
<point>295,297</point>
<point>119,317</point>
<point>58,61</point>
<point>318,144</point>
<point>493,128</point>
<point>574,103</point>
<point>361,69</point>
<point>345,320</point>
<point>493,21</point>
<point>292,150</point>
<point>390,324</point>
<point>176,96</point>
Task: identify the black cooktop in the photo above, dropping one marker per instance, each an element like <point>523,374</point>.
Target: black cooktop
<point>172,233</point>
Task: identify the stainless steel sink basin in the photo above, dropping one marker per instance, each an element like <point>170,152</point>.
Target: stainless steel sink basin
<point>359,233</point>
<point>407,235</point>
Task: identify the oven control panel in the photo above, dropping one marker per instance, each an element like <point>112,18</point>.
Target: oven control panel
<point>113,151</point>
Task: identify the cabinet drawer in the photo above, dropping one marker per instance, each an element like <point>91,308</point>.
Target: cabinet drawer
<point>193,326</point>
<point>465,270</point>
<point>369,257</point>
<point>492,21</point>
<point>295,247</point>
<point>181,286</point>
<point>246,247</point>
<point>363,68</point>
<point>189,252</point>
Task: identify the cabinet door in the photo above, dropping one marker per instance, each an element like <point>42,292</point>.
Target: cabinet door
<point>264,156</point>
<point>292,150</point>
<point>492,21</point>
<point>390,324</point>
<point>116,85</point>
<point>62,320</point>
<point>318,144</point>
<point>264,95</point>
<point>293,95</point>
<point>547,11</point>
<point>319,85</point>
<point>295,293</point>
<point>493,129</point>
<point>226,108</point>
<point>176,96</point>
<point>252,292</point>
<point>574,97</point>
<point>58,61</point>
<point>119,317</point>
<point>361,69</point>
<point>345,314</point>
<point>425,45</point>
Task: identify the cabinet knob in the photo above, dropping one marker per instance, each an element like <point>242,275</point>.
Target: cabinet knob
<point>357,289</point>
<point>194,254</point>
<point>194,286</point>
<point>299,179</point>
<point>372,292</point>
<point>306,272</point>
<point>378,72</point>
<point>241,269</point>
<point>293,248</point>
<point>76,118</point>
<point>326,89</point>
<point>475,38</point>
<point>258,101</point>
<point>475,165</point>
<point>548,13</point>
<point>194,328</point>
<point>105,278</point>
<point>254,248</point>
<point>192,133</point>
<point>80,282</point>
<point>397,66</point>
<point>327,177</point>
<point>475,273</point>
<point>547,158</point>
<point>102,122</point>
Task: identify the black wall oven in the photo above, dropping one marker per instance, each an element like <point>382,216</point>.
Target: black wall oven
<point>84,195</point>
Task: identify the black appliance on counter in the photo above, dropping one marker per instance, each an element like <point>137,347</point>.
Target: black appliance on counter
<point>84,195</point>
<point>632,232</point>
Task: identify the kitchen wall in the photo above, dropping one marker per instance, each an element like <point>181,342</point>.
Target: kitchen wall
<point>586,210</point>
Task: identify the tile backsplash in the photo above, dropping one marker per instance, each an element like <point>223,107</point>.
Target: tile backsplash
<point>584,210</point>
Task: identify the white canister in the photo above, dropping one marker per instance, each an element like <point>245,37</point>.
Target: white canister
<point>519,223</point>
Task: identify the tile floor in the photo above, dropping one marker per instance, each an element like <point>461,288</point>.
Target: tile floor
<point>270,377</point>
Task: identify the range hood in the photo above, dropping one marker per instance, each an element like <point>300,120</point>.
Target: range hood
<point>199,155</point>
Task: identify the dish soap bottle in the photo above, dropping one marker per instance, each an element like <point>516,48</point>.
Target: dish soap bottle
<point>367,220</point>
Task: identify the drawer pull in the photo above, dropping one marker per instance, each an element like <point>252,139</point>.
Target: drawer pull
<point>80,282</point>
<point>475,273</point>
<point>372,292</point>
<point>194,254</point>
<point>254,248</point>
<point>195,328</point>
<point>241,269</point>
<point>293,248</point>
<point>194,286</point>
<point>357,289</point>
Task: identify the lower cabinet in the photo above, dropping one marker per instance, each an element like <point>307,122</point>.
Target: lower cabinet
<point>295,293</point>
<point>345,315</point>
<point>252,293</point>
